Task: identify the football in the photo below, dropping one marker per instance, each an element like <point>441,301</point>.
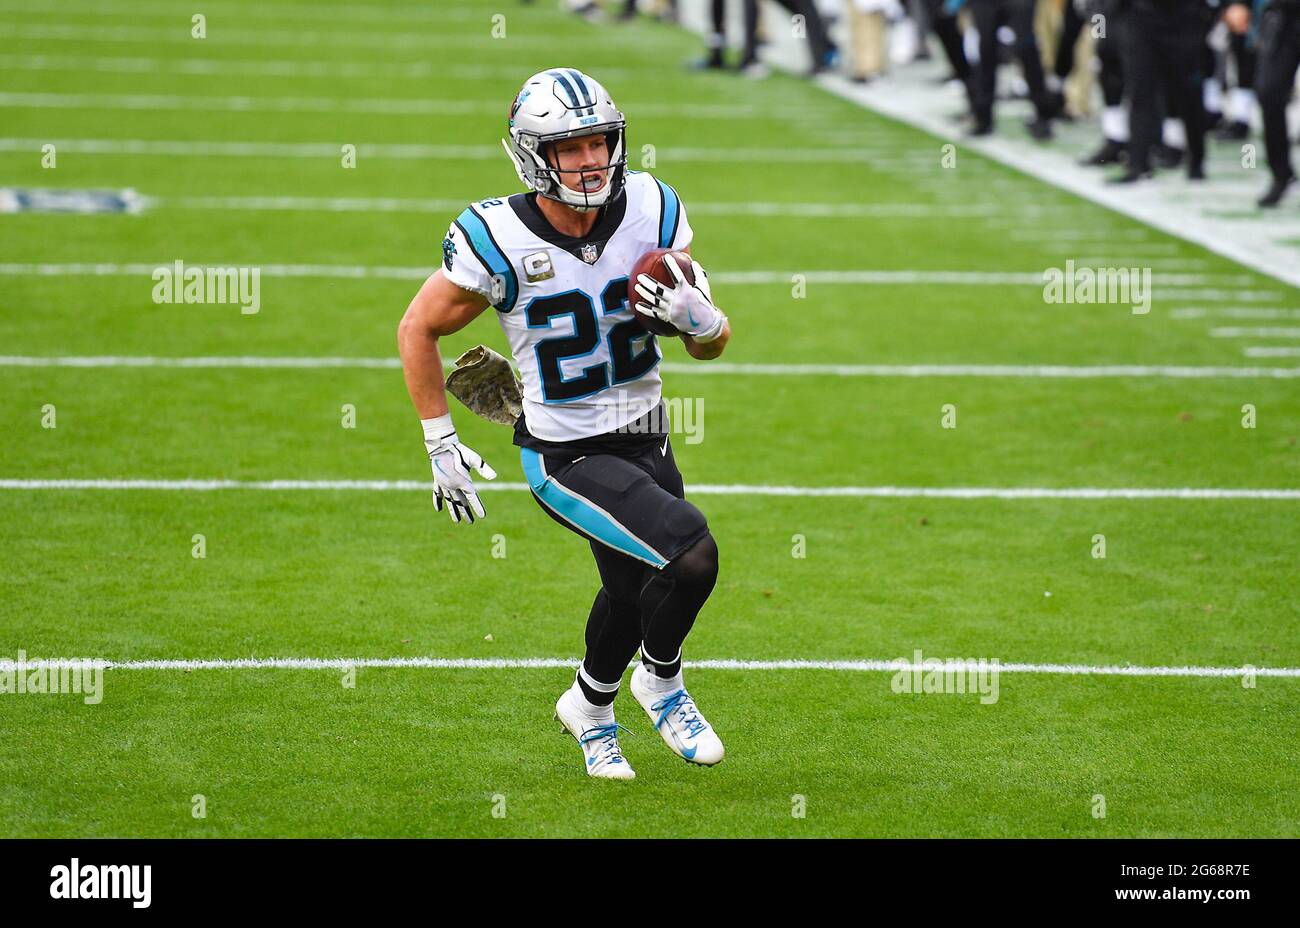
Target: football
<point>652,263</point>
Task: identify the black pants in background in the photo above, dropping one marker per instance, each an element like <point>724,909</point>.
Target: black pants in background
<point>819,40</point>
<point>1111,72</point>
<point>1111,59</point>
<point>944,25</point>
<point>1164,60</point>
<point>1019,15</point>
<point>1243,52</point>
<point>1071,26</point>
<point>1278,55</point>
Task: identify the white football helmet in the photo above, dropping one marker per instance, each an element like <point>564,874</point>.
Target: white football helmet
<point>564,103</point>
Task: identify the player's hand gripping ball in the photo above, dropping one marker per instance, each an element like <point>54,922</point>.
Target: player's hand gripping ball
<point>669,293</point>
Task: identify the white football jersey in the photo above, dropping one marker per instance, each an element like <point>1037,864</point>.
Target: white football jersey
<point>587,365</point>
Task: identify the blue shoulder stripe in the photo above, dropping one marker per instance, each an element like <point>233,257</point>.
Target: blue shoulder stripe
<point>670,214</point>
<point>488,252</point>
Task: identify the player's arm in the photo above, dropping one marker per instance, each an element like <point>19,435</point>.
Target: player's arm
<point>441,308</point>
<point>707,351</point>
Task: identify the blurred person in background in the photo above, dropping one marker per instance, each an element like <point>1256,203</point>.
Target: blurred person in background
<point>820,47</point>
<point>867,21</point>
<point>1215,64</point>
<point>943,23</point>
<point>663,10</point>
<point>1018,16</point>
<point>1073,18</point>
<point>1278,48</point>
<point>587,9</point>
<point>717,39</point>
<point>1109,68</point>
<point>1240,103</point>
<point>1163,46</point>
<point>809,24</point>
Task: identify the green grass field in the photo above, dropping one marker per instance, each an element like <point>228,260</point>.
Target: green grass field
<point>356,574</point>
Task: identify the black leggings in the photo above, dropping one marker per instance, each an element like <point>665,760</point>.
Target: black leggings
<point>640,607</point>
<point>656,557</point>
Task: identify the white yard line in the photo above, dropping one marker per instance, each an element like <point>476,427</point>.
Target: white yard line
<point>411,151</point>
<point>1227,296</point>
<point>1259,351</point>
<point>220,148</point>
<point>836,277</point>
<point>408,39</point>
<point>1080,238</point>
<point>707,489</point>
<point>229,361</point>
<point>1255,332</point>
<point>359,12</point>
<point>1127,250</point>
<point>345,271</point>
<point>697,207</point>
<point>1157,265</point>
<point>276,67</point>
<point>1044,371</point>
<point>994,278</point>
<point>555,663</point>
<point>382,106</point>
<point>1234,312</point>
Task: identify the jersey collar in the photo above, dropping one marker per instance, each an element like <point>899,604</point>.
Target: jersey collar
<point>607,223</point>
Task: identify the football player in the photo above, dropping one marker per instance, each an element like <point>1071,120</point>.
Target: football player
<point>553,264</point>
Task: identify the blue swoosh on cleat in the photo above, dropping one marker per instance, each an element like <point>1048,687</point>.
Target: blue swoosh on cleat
<point>689,753</point>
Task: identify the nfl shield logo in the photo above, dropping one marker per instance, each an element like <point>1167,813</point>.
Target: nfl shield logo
<point>590,253</point>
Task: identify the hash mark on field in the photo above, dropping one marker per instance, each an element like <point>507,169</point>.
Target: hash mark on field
<point>709,489</point>
<point>1048,371</point>
<point>547,663</point>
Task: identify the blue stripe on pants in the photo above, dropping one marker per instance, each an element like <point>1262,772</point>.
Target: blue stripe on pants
<point>583,515</point>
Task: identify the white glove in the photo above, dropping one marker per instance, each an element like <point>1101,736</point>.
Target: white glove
<point>687,308</point>
<point>451,462</point>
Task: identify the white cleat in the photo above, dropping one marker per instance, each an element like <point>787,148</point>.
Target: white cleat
<point>599,742</point>
<point>678,720</point>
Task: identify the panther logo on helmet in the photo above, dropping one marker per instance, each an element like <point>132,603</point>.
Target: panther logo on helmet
<point>517,102</point>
